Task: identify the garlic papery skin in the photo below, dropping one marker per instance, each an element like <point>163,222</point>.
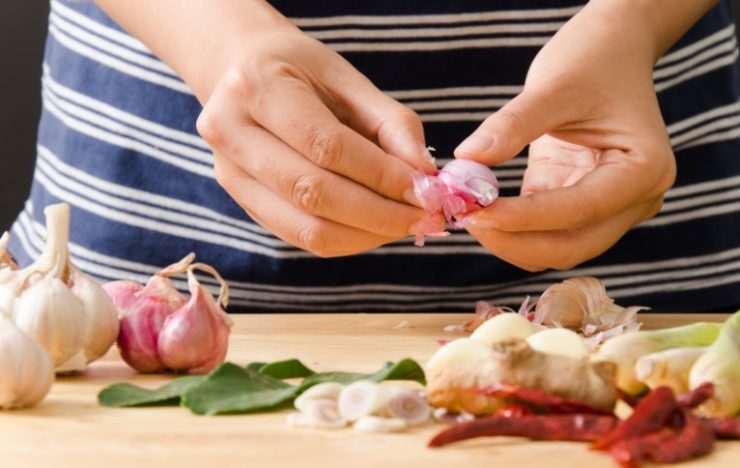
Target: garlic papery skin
<point>195,337</point>
<point>26,372</point>
<point>52,315</point>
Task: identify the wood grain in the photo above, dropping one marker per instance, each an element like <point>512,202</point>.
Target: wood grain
<point>69,429</point>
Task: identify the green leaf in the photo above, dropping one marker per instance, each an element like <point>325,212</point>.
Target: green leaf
<point>122,395</point>
<point>405,369</point>
<point>233,389</point>
<point>256,366</point>
<point>288,369</point>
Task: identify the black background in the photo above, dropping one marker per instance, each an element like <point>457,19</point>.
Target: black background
<point>22,33</point>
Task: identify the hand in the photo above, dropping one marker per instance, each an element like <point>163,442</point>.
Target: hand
<point>600,158</point>
<point>311,149</point>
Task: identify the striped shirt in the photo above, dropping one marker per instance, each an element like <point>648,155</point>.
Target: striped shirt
<point>117,141</point>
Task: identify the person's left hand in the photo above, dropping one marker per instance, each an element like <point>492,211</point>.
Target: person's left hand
<point>600,158</point>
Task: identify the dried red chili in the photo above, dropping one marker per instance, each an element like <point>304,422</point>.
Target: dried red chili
<point>541,400</point>
<point>571,427</point>
<point>726,428</point>
<point>513,411</point>
<point>651,414</point>
<point>697,396</point>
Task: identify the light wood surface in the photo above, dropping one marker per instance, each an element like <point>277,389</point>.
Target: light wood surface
<point>69,429</point>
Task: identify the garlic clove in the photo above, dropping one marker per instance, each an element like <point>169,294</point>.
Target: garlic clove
<point>26,372</point>
<point>195,337</point>
<point>52,315</point>
<point>101,316</point>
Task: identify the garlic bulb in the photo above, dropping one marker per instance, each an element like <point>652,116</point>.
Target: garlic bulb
<point>161,329</point>
<point>26,372</point>
<point>52,301</point>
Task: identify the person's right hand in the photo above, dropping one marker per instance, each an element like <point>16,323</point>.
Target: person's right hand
<point>310,148</point>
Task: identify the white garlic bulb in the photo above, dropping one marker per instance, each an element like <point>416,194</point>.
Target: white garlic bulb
<point>26,372</point>
<point>51,300</point>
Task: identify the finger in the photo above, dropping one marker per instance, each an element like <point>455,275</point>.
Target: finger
<point>317,235</point>
<point>317,191</point>
<point>307,186</point>
<point>562,249</point>
<point>505,133</point>
<point>620,181</point>
<point>303,121</point>
<point>380,118</point>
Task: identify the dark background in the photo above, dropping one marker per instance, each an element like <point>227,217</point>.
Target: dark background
<point>22,33</point>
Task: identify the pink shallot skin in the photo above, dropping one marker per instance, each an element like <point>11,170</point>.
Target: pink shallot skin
<point>144,310</point>
<point>122,293</point>
<point>195,337</point>
<point>140,328</point>
<point>458,190</point>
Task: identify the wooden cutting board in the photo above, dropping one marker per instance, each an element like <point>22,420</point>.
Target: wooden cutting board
<point>69,429</point>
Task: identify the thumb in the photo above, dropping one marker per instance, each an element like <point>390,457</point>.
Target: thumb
<point>505,133</point>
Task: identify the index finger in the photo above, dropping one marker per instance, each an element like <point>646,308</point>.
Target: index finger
<point>620,181</point>
<point>289,109</point>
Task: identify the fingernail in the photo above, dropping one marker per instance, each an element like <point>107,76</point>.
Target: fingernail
<point>426,152</point>
<point>410,197</point>
<point>481,222</point>
<point>476,143</point>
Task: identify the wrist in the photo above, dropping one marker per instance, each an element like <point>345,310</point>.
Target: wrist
<point>662,21</point>
<point>199,39</point>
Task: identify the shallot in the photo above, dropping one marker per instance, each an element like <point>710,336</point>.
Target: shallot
<point>161,329</point>
<point>461,188</point>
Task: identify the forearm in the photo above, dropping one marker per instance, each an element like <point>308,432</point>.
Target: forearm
<point>197,38</point>
<point>664,21</point>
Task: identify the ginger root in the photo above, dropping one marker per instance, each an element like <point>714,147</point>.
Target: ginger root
<point>459,373</point>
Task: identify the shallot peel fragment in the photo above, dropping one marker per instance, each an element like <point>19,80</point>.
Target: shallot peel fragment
<point>164,330</point>
<point>461,188</point>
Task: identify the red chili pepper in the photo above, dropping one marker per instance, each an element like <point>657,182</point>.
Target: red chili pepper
<point>571,427</point>
<point>547,401</point>
<point>628,398</point>
<point>650,415</point>
<point>513,411</point>
<point>694,439</point>
<point>726,428</point>
<point>697,396</point>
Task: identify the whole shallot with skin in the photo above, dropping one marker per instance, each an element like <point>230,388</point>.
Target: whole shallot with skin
<point>55,303</point>
<point>164,330</point>
<point>461,188</point>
